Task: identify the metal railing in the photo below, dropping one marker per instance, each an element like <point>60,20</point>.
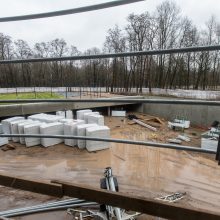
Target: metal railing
<point>69,11</point>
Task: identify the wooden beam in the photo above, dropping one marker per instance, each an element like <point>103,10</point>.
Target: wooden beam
<point>144,205</point>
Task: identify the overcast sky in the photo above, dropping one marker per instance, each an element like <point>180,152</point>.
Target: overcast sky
<point>87,30</point>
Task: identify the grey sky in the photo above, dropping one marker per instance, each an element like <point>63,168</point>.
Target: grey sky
<point>87,30</point>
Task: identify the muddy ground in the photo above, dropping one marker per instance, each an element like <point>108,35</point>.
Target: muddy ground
<point>144,171</point>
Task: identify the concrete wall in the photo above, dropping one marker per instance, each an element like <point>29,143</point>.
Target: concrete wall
<point>26,109</point>
<point>198,115</point>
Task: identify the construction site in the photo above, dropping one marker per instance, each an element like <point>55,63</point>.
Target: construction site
<point>93,154</point>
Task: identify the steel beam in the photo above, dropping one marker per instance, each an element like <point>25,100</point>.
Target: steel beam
<point>115,55</point>
<point>117,100</point>
<point>69,11</point>
<point>114,140</point>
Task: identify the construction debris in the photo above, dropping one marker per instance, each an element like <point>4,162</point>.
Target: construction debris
<point>8,147</point>
<point>183,138</point>
<point>144,125</point>
<point>175,141</point>
<point>172,198</point>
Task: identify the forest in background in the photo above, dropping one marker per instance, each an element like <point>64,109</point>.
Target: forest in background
<point>164,28</point>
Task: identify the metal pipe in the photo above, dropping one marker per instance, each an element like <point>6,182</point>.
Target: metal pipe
<point>117,100</point>
<point>69,11</point>
<point>114,55</point>
<point>53,204</point>
<point>49,209</point>
<point>114,140</point>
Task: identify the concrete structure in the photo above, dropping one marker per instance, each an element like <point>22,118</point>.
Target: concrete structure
<point>98,131</point>
<point>33,108</point>
<point>196,114</point>
<point>71,129</point>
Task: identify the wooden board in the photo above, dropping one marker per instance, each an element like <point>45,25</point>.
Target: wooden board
<point>144,205</point>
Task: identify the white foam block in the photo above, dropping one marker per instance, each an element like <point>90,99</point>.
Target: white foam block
<point>66,120</point>
<point>33,128</point>
<point>80,113</point>
<point>21,129</point>
<point>6,124</point>
<point>118,113</point>
<point>98,131</point>
<point>3,141</point>
<point>85,115</point>
<point>66,114</point>
<point>96,119</point>
<point>1,128</point>
<point>81,131</point>
<point>14,129</point>
<point>71,129</point>
<point>55,128</point>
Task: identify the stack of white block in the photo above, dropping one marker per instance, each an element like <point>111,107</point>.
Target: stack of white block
<point>21,129</point>
<point>96,119</point>
<point>71,129</point>
<point>47,118</point>
<point>7,126</point>
<point>14,129</point>
<point>66,114</point>
<point>3,140</point>
<point>55,128</point>
<point>80,113</point>
<point>97,131</point>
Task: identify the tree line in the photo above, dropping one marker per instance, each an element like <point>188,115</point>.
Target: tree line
<point>162,29</point>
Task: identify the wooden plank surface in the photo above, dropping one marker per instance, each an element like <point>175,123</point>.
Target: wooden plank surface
<point>144,205</point>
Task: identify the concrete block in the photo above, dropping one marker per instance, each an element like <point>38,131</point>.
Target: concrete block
<point>80,113</point>
<point>66,114</point>
<point>14,129</point>
<point>98,131</point>
<point>85,116</point>
<point>3,141</point>
<point>6,124</point>
<point>21,129</point>
<point>55,128</point>
<point>71,129</point>
<point>81,131</point>
<point>33,128</point>
<point>96,119</point>
<point>118,113</point>
<point>66,120</point>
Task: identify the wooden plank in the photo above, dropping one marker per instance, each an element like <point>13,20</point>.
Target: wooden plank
<point>148,206</point>
<point>32,186</point>
<point>129,202</point>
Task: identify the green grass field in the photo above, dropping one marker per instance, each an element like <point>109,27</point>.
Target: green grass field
<point>30,95</point>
